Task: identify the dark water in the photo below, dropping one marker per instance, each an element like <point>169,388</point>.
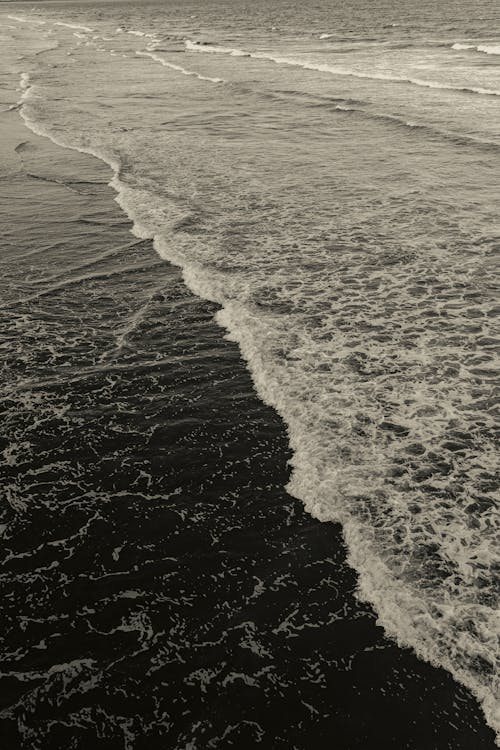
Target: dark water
<point>328,178</point>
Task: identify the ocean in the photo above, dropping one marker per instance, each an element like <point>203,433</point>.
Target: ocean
<point>250,328</point>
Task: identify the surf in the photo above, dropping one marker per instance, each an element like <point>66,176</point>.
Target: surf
<point>338,70</point>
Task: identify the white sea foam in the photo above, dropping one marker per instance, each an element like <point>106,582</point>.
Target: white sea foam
<point>179,68</point>
<point>212,48</point>
<point>337,70</point>
<point>487,49</point>
<point>25,87</point>
<point>73,26</point>
<point>145,34</point>
<point>27,20</point>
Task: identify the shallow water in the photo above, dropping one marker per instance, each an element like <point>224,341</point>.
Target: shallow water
<point>331,181</point>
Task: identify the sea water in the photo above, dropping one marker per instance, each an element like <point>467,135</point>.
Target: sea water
<point>329,177</point>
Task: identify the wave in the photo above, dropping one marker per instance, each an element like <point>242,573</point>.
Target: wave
<point>26,20</point>
<point>25,87</point>
<point>179,68</point>
<point>358,107</point>
<point>215,49</point>
<point>76,26</point>
<point>458,139</point>
<point>437,630</point>
<point>134,32</point>
<point>337,70</point>
<point>487,49</point>
<point>28,89</point>
<point>350,44</point>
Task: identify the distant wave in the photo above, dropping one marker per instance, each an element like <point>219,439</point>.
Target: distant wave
<point>353,44</point>
<point>73,26</point>
<point>487,49</point>
<point>337,70</point>
<point>145,34</point>
<point>430,130</point>
<point>360,108</point>
<point>26,20</point>
<point>179,68</point>
<point>213,48</point>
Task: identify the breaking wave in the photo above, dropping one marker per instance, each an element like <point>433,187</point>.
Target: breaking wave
<point>337,70</point>
<point>179,68</point>
<point>487,49</point>
<point>76,26</point>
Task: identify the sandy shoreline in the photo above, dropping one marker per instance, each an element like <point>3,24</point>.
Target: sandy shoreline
<point>150,517</point>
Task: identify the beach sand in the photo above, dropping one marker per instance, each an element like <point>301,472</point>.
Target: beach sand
<point>159,586</point>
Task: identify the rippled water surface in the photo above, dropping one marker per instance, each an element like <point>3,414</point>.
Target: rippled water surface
<point>330,178</point>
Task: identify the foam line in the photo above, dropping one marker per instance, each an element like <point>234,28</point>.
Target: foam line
<point>337,70</point>
<point>178,68</point>
<point>26,20</point>
<point>73,26</point>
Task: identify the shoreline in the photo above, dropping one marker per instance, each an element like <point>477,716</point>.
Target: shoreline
<point>306,544</point>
